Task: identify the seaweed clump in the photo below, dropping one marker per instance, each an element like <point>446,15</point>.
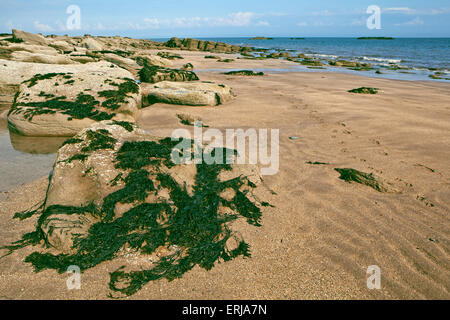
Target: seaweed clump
<point>83,107</point>
<point>115,97</point>
<point>154,74</point>
<point>364,90</point>
<point>38,77</point>
<point>368,179</point>
<point>192,226</point>
<point>168,55</point>
<point>244,73</point>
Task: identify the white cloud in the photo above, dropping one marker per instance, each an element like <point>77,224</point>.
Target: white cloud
<point>415,22</point>
<point>238,19</point>
<point>302,24</point>
<point>262,24</point>
<point>409,11</point>
<point>323,13</point>
<point>42,27</point>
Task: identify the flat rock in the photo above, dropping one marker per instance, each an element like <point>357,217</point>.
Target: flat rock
<point>62,104</point>
<point>187,93</point>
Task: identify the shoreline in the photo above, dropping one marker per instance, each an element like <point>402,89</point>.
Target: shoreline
<point>322,233</point>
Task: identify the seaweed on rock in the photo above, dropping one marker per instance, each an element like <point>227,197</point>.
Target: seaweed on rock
<point>192,226</point>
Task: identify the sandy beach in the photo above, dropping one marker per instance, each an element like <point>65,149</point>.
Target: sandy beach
<point>322,233</point>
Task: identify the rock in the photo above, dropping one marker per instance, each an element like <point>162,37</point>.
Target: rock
<point>153,60</point>
<point>25,56</point>
<point>187,93</point>
<point>154,74</point>
<point>211,46</point>
<point>15,72</point>
<point>94,181</point>
<point>91,44</point>
<point>61,104</point>
<point>61,45</point>
<point>29,37</point>
<point>122,62</point>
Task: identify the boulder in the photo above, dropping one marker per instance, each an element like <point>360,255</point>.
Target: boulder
<point>29,37</point>
<point>154,74</point>
<point>113,171</point>
<point>25,56</point>
<point>61,45</point>
<point>91,44</point>
<point>153,60</point>
<point>61,104</point>
<point>187,93</point>
<point>15,72</point>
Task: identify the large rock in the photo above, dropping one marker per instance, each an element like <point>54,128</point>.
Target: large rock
<point>15,72</point>
<point>61,104</point>
<point>91,44</point>
<point>93,172</point>
<point>154,74</point>
<point>29,37</point>
<point>153,60</point>
<point>25,56</point>
<point>186,93</point>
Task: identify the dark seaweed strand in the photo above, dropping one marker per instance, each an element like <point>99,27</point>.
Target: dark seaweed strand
<point>83,107</point>
<point>192,222</point>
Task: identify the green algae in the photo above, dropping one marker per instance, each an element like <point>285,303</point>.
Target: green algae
<point>153,74</point>
<point>83,107</point>
<point>368,179</point>
<point>364,90</point>
<point>244,73</point>
<point>191,225</point>
<point>38,77</point>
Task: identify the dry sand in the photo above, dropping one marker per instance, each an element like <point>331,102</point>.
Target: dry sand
<point>323,232</point>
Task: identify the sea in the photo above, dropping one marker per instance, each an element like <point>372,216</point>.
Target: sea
<point>414,56</point>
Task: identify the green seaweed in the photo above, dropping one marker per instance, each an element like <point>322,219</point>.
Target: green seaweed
<point>153,74</point>
<point>364,90</point>
<point>317,163</point>
<point>99,139</point>
<point>115,97</point>
<point>368,179</point>
<point>191,225</point>
<point>37,77</point>
<point>83,107</point>
<point>244,73</point>
<point>124,124</point>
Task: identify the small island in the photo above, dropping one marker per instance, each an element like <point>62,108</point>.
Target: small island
<point>261,38</point>
<point>375,38</point>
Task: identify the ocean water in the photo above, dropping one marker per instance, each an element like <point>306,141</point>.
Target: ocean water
<point>412,52</point>
<point>417,55</point>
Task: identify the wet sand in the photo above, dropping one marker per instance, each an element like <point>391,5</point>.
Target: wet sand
<point>323,233</point>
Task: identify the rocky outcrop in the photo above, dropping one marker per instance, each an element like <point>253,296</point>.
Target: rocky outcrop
<point>25,56</point>
<point>187,93</point>
<point>154,74</point>
<point>153,60</point>
<point>62,104</point>
<point>91,44</point>
<point>30,38</point>
<point>200,45</point>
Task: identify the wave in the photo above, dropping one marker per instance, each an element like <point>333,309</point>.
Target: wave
<point>382,59</point>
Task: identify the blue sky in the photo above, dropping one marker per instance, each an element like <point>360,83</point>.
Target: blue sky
<point>229,18</point>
